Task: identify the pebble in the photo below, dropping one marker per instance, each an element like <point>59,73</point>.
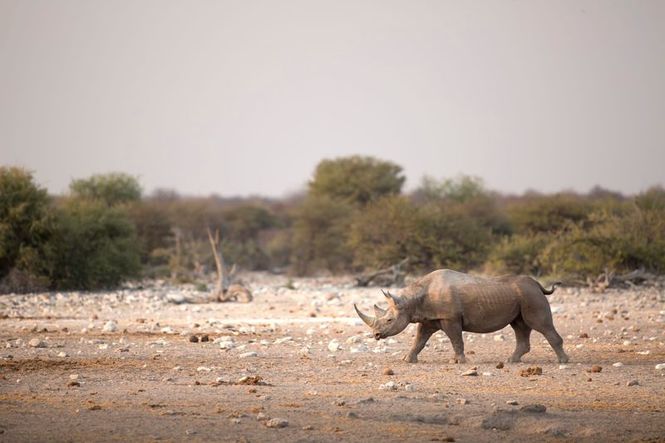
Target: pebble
<point>633,383</point>
<point>37,343</point>
<point>499,338</point>
<point>660,366</point>
<point>409,387</point>
<point>463,401</point>
<point>512,402</point>
<point>390,386</point>
<point>248,354</point>
<point>617,364</point>
<point>595,368</point>
<point>62,354</point>
<point>193,339</point>
<point>277,423</point>
<point>334,346</point>
<point>470,373</point>
<point>388,371</point>
<point>110,326</point>
<point>500,365</point>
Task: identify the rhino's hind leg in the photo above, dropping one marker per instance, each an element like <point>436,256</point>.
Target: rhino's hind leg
<point>453,330</point>
<point>542,322</point>
<point>522,336</point>
<point>423,333</point>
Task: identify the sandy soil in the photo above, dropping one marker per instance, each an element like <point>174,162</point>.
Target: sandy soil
<point>120,366</point>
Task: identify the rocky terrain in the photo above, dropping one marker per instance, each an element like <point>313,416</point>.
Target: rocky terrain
<point>142,364</point>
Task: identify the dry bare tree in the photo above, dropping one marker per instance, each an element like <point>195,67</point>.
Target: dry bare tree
<point>224,289</point>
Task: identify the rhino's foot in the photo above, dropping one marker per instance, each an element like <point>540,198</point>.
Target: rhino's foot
<point>514,359</point>
<point>459,359</point>
<point>410,358</point>
<point>563,358</point>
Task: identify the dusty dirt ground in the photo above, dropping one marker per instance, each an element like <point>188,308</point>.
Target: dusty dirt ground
<point>120,366</point>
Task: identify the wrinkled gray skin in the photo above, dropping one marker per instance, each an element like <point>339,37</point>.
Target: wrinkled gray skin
<point>454,302</point>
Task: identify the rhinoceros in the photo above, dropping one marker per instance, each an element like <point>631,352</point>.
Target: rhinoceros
<point>455,302</point>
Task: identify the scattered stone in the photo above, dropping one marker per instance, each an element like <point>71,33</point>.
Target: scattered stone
<point>248,354</point>
<point>73,376</point>
<point>73,383</point>
<point>409,387</point>
<point>388,371</point>
<point>193,339</point>
<point>535,408</point>
<point>531,370</point>
<point>307,428</point>
<point>37,343</point>
<point>203,369</point>
<point>334,346</point>
<point>660,366</point>
<point>563,366</point>
<point>277,423</point>
<point>470,373</point>
<point>595,368</point>
<point>500,365</point>
<point>462,401</point>
<point>584,335</point>
<point>62,354</point>
<point>204,338</point>
<point>251,380</point>
<point>617,364</point>
<point>499,337</point>
<point>351,414</point>
<point>95,408</point>
<point>512,402</point>
<point>390,386</point>
<point>633,383</point>
<point>110,326</point>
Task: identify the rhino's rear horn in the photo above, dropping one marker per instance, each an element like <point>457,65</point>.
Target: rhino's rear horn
<point>369,321</point>
<point>379,312</point>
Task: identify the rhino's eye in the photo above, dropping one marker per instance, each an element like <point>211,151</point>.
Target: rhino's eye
<point>389,320</point>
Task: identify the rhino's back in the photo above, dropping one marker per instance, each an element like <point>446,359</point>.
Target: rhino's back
<point>484,303</point>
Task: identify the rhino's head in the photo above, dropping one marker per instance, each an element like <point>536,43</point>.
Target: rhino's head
<point>387,322</point>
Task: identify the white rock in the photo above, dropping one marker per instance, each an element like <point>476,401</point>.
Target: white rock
<point>660,366</point>
<point>248,354</point>
<point>103,346</point>
<point>37,343</point>
<point>334,346</point>
<point>409,387</point>
<point>617,364</point>
<point>110,326</point>
<point>203,369</point>
<point>647,352</point>
<point>627,342</point>
<point>73,376</point>
<point>62,354</point>
<point>360,348</point>
<point>277,423</point>
<point>279,341</point>
<point>390,386</point>
<point>354,339</point>
<point>499,338</point>
<point>563,366</point>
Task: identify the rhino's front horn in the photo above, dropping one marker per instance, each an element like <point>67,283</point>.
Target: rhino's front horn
<point>369,321</point>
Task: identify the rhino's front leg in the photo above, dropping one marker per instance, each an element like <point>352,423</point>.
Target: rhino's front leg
<point>453,330</point>
<point>423,333</point>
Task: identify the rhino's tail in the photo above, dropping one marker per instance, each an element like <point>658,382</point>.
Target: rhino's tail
<point>552,288</point>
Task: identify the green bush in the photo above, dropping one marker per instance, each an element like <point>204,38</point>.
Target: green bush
<point>25,229</point>
<point>94,246</point>
<point>518,254</point>
<point>356,180</point>
<point>320,230</point>
<point>384,233</point>
<point>548,213</point>
<point>112,189</point>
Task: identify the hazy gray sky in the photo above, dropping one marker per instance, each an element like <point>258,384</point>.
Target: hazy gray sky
<point>245,97</point>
